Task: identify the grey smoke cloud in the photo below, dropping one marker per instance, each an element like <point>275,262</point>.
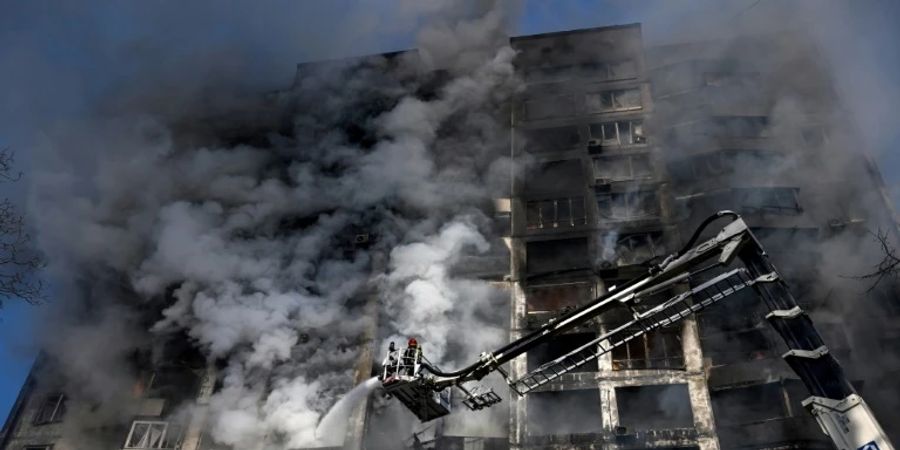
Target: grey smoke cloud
<point>199,237</point>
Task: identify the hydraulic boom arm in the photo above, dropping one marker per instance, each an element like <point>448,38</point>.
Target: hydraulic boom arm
<point>704,274</point>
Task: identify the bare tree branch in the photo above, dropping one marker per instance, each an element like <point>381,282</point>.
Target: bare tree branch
<point>889,266</point>
<point>19,261</point>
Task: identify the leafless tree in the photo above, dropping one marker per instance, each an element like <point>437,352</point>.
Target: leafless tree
<point>19,262</point>
<point>888,268</point>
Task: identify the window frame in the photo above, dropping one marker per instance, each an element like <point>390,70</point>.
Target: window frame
<point>612,100</point>
<point>163,440</point>
<point>632,175</point>
<point>59,409</point>
<point>629,200</point>
<point>617,127</point>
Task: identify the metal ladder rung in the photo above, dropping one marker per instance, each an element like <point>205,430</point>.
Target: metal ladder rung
<point>669,312</point>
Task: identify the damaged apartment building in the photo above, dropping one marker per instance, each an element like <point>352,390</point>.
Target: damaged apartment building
<point>625,148</point>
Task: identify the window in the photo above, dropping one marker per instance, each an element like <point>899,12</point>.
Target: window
<point>556,297</point>
<point>656,350</point>
<point>767,200</point>
<point>624,132</point>
<point>52,409</point>
<point>628,205</point>
<point>560,346</point>
<point>651,407</point>
<point>622,168</point>
<point>618,70</point>
<point>556,255</point>
<point>551,139</point>
<point>618,100</point>
<point>555,177</point>
<point>564,412</point>
<point>637,248</point>
<point>556,213</point>
<point>749,404</point>
<point>621,70</point>
<point>147,434</point>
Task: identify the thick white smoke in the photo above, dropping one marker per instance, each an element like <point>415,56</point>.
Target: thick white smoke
<point>200,238</point>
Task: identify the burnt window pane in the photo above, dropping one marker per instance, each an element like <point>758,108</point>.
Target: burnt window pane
<point>744,405</point>
<point>556,297</point>
<point>52,409</point>
<point>533,215</point>
<point>637,248</point>
<point>651,407</point>
<point>560,346</point>
<point>551,139</point>
<point>564,412</point>
<point>555,177</point>
<point>628,206</point>
<point>656,350</point>
<point>557,255</point>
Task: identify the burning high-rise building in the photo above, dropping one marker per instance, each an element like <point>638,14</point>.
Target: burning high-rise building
<point>466,198</point>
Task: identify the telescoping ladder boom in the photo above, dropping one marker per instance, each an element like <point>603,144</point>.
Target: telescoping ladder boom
<point>708,268</point>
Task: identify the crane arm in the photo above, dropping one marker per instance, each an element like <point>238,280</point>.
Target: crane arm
<point>707,268</point>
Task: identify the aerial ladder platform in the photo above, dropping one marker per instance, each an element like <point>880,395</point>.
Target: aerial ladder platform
<point>730,262</point>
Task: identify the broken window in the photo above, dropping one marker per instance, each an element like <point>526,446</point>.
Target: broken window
<point>557,255</point>
<point>659,349</point>
<point>555,213</point>
<point>551,139</point>
<point>652,407</point>
<point>555,177</point>
<point>738,346</point>
<point>767,200</point>
<point>560,346</point>
<point>622,168</point>
<point>564,412</point>
<point>636,248</point>
<point>618,100</point>
<point>557,296</point>
<point>623,132</point>
<point>628,205</point>
<point>742,405</point>
<point>543,107</point>
<point>148,434</point>
<point>52,409</point>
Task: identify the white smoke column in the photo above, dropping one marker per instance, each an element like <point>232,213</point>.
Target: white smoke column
<point>422,292</point>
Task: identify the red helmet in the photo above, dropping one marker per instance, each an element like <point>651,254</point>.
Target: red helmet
<point>412,342</point>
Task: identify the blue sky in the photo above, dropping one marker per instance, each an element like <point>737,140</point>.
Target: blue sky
<point>58,58</point>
